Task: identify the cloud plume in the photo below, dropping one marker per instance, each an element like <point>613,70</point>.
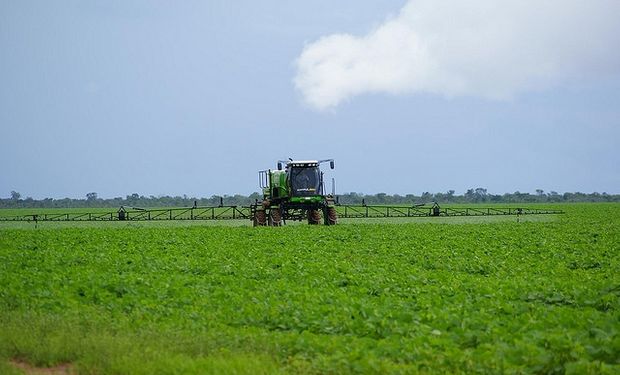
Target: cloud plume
<point>485,48</point>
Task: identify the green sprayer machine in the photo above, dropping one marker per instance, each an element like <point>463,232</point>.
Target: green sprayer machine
<point>295,191</point>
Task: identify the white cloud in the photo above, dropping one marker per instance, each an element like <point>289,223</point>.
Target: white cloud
<point>487,48</point>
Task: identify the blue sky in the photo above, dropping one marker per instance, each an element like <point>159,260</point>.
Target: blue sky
<point>173,98</point>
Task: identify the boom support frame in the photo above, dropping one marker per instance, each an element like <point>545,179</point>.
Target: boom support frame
<point>221,212</point>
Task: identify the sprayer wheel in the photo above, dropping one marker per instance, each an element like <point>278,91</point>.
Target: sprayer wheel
<point>314,217</point>
<point>275,217</point>
<point>332,216</point>
<point>260,218</point>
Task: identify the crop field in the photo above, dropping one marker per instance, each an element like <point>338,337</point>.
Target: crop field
<point>414,296</point>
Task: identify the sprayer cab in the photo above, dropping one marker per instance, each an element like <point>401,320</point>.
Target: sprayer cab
<point>304,177</point>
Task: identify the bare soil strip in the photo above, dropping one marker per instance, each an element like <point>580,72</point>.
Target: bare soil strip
<point>61,369</point>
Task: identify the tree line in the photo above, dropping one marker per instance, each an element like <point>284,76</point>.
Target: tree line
<point>478,195</point>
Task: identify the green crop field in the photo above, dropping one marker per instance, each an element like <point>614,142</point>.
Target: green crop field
<point>415,296</point>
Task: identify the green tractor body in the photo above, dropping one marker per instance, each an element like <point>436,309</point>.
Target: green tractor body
<point>295,193</point>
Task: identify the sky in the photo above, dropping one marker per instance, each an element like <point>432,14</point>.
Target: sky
<point>195,97</point>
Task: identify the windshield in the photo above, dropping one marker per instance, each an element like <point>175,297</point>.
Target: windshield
<point>305,181</point>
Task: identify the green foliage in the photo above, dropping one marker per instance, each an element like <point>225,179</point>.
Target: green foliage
<point>515,297</point>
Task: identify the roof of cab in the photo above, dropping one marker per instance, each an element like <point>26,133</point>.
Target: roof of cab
<point>303,162</point>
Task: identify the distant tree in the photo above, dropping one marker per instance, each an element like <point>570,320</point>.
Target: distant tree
<point>132,200</point>
<point>426,197</point>
<point>495,198</point>
<point>29,202</point>
<point>470,195</point>
<point>481,191</point>
<point>15,195</point>
<point>91,196</point>
<point>480,194</point>
<point>410,198</point>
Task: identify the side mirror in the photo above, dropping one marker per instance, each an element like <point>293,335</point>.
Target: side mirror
<point>331,164</point>
<point>279,166</point>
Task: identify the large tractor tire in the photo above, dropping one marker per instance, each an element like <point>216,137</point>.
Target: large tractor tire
<point>314,217</point>
<point>332,216</point>
<point>260,218</point>
<point>275,217</point>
